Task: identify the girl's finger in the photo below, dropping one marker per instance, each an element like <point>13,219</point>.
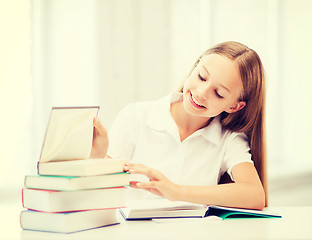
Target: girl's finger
<point>149,172</point>
<point>147,185</point>
<point>126,168</point>
<point>133,184</point>
<point>135,164</point>
<point>98,126</point>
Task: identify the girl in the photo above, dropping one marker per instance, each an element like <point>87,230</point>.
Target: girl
<point>185,142</point>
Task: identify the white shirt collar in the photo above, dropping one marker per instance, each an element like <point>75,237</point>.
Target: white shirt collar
<point>159,118</point>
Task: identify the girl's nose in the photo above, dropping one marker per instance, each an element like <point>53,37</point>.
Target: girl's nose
<point>203,91</point>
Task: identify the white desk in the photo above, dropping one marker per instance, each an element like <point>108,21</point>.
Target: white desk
<point>296,224</point>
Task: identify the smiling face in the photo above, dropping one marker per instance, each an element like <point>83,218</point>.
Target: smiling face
<point>214,86</point>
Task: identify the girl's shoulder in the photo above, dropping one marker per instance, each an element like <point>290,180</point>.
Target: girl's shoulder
<point>219,134</point>
<point>233,139</point>
<point>230,135</point>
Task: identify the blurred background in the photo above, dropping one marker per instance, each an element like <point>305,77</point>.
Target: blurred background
<point>113,52</point>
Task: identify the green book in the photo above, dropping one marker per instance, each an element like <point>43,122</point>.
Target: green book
<point>68,183</point>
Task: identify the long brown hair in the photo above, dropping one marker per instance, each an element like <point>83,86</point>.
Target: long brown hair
<point>250,119</point>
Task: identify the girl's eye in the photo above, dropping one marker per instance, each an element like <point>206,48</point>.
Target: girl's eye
<point>201,78</point>
<point>217,94</point>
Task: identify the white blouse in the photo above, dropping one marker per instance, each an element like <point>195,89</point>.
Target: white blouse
<point>146,133</point>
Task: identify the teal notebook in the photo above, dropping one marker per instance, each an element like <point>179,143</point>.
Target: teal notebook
<point>225,212</point>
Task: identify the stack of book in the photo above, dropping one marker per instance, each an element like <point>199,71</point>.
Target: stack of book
<point>74,201</point>
<point>71,195</point>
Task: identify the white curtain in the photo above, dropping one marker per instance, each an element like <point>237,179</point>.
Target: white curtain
<point>112,52</point>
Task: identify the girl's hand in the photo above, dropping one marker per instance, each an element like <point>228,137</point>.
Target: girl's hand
<point>158,184</point>
<point>100,140</point>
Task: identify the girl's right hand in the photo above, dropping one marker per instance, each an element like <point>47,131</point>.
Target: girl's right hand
<point>100,140</point>
<point>158,183</point>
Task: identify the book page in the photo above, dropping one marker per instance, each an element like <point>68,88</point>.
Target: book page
<point>187,219</point>
<point>162,204</point>
<point>69,134</point>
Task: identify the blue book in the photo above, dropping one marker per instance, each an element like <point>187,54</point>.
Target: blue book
<point>68,222</point>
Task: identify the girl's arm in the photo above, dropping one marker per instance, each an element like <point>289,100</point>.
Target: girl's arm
<point>245,192</point>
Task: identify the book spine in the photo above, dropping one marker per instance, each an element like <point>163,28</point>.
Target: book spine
<point>43,190</point>
<point>23,198</point>
<point>75,107</point>
<point>84,210</point>
<point>38,167</point>
<point>20,220</point>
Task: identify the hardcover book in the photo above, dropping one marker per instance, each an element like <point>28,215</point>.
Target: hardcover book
<point>67,222</point>
<point>64,201</point>
<point>85,167</point>
<point>69,134</point>
<point>69,183</point>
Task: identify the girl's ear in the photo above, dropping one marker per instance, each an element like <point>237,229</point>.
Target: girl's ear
<point>236,107</point>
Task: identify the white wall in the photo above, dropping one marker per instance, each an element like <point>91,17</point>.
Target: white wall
<point>64,59</point>
<point>134,53</point>
<point>112,52</point>
<point>15,93</point>
<point>295,84</point>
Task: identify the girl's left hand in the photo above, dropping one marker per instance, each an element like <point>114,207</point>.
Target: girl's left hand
<point>158,184</point>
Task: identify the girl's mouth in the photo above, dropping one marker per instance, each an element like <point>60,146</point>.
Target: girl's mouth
<point>194,103</point>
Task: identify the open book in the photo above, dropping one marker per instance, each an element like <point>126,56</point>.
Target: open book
<point>68,142</point>
<point>163,208</point>
<point>69,134</point>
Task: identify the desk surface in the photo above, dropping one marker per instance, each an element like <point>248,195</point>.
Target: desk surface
<point>295,224</point>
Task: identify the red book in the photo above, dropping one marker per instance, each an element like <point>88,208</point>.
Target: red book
<point>66,201</point>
